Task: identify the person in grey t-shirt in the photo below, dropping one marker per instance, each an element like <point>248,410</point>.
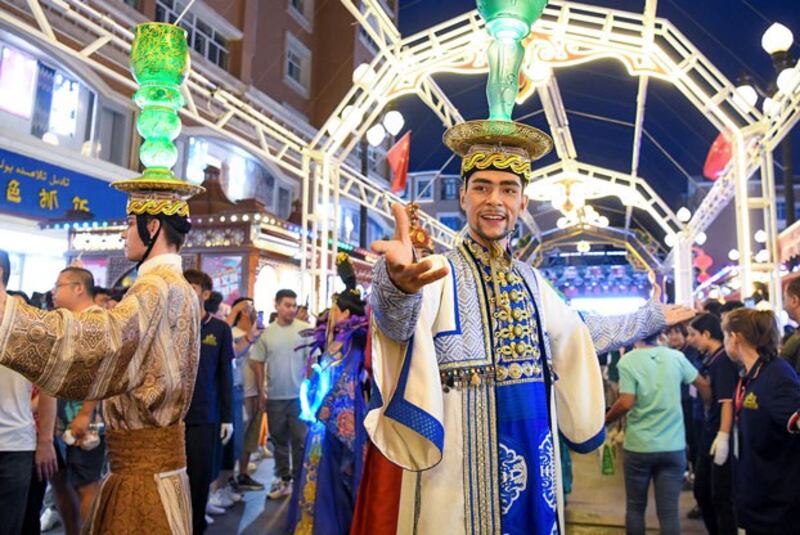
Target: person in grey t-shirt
<point>277,363</point>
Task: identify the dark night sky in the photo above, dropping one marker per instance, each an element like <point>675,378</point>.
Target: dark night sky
<point>728,32</point>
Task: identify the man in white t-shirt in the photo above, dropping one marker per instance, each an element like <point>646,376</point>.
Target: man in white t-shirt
<point>19,447</point>
<point>275,357</point>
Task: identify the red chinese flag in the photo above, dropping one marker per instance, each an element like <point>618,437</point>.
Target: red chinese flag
<point>719,156</point>
<point>398,161</point>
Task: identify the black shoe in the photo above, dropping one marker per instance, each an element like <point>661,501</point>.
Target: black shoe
<point>695,513</point>
<point>246,482</point>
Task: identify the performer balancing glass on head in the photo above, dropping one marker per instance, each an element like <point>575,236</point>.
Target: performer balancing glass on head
<point>141,356</point>
<point>465,355</point>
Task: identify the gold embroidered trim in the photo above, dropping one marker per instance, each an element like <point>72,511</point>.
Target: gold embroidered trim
<point>158,207</point>
<point>481,160</point>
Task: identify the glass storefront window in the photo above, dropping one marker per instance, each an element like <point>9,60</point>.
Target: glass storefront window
<point>64,107</point>
<point>18,74</point>
<point>242,176</point>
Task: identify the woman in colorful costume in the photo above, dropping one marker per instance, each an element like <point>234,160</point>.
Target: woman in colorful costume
<point>334,405</point>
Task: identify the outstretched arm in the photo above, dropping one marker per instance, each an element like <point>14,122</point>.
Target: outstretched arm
<point>93,355</point>
<point>613,332</point>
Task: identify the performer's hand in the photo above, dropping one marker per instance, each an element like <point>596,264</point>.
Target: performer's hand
<point>80,425</point>
<point>225,433</point>
<point>262,402</point>
<point>674,314</point>
<point>46,464</point>
<point>407,275</point>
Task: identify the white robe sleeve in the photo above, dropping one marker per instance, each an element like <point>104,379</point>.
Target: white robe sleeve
<point>406,415</point>
<point>578,383</point>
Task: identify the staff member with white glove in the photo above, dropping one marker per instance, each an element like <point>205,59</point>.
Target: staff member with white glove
<point>713,484</point>
<point>767,457</point>
<point>209,418</point>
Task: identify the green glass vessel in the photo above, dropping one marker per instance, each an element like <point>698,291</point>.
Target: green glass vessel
<point>160,64</point>
<point>508,22</point>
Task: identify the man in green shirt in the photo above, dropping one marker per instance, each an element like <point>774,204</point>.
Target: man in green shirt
<point>280,366</point>
<point>655,445</point>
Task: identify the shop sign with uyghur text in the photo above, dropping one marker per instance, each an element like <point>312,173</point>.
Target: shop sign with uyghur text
<point>36,189</point>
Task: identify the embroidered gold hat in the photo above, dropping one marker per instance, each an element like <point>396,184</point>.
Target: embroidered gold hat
<point>500,145</point>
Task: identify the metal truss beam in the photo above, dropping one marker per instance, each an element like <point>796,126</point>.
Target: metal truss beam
<point>641,255</point>
<point>632,190</point>
<point>556,116</point>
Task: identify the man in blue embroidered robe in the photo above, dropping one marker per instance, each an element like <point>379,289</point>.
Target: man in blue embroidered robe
<point>478,364</point>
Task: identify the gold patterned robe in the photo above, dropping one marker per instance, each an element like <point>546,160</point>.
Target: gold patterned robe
<point>141,359</point>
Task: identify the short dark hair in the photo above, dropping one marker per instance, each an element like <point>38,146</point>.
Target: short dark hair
<point>712,306</point>
<point>98,290</point>
<point>708,322</point>
<point>174,237</point>
<point>793,288</point>
<point>83,276</point>
<point>652,339</point>
<point>200,278</point>
<point>5,265</point>
<point>213,302</point>
<point>284,294</point>
<point>730,306</point>
<point>678,327</point>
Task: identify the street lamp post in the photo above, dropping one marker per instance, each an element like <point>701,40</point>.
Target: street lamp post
<point>777,41</point>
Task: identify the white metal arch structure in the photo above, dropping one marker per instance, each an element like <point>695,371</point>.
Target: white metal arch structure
<point>602,182</point>
<point>570,33</point>
<point>638,252</point>
<point>230,112</point>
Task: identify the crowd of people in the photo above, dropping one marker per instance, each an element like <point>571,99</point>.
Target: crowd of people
<point>53,451</point>
<point>711,405</point>
<point>448,401</point>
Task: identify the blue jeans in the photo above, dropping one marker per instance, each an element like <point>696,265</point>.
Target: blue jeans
<point>666,470</point>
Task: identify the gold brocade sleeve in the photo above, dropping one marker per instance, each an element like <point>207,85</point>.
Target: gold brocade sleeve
<point>94,355</point>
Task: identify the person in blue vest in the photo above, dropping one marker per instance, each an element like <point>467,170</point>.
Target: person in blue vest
<point>210,416</point>
<point>767,452</point>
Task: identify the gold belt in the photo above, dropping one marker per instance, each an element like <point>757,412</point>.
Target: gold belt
<point>151,450</point>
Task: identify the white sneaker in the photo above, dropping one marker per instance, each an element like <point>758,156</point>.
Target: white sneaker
<point>280,489</point>
<point>212,509</point>
<point>218,499</point>
<point>251,468</point>
<point>230,494</point>
<point>209,520</point>
<point>49,519</point>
